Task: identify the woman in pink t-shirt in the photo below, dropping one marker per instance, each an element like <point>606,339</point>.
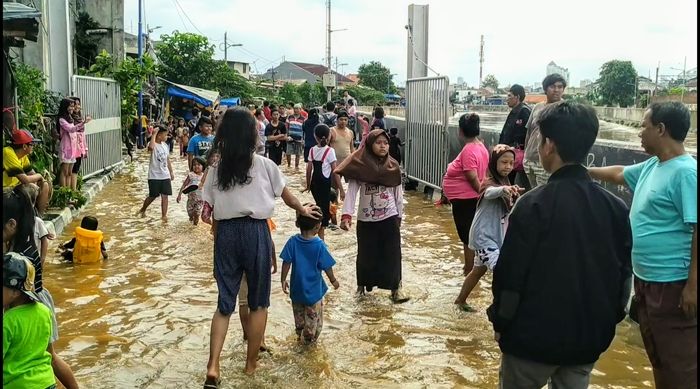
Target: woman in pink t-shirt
<point>462,182</point>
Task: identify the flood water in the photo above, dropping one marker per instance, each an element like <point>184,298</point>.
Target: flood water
<point>142,318</point>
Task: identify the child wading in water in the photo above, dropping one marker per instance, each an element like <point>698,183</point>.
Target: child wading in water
<point>307,256</point>
<point>89,223</point>
<point>160,173</point>
<point>491,220</point>
<point>377,177</point>
<point>319,174</point>
<point>192,188</point>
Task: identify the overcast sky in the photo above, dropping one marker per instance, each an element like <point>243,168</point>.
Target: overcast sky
<point>521,38</point>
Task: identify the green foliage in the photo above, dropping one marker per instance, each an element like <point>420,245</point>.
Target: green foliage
<point>63,196</point>
<point>229,83</point>
<point>186,58</point>
<point>490,81</point>
<point>675,91</point>
<point>289,94</point>
<point>312,95</point>
<point>32,102</point>
<point>616,84</point>
<point>577,98</point>
<point>364,95</point>
<point>376,76</point>
<point>85,45</point>
<point>130,77</point>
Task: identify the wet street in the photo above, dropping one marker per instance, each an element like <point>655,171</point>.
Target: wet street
<point>141,319</point>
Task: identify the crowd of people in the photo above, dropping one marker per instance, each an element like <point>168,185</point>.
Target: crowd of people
<point>563,250</point>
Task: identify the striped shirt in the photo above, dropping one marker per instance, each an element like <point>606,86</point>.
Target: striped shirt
<point>295,127</point>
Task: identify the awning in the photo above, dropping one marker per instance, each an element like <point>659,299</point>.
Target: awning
<point>20,21</point>
<point>230,101</point>
<point>204,97</point>
<point>390,96</point>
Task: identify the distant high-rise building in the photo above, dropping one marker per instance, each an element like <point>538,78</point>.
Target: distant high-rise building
<point>554,68</point>
<point>585,83</point>
<point>460,80</point>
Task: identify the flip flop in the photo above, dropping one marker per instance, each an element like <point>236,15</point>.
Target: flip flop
<point>467,308</point>
<point>190,189</point>
<point>399,298</point>
<point>212,384</point>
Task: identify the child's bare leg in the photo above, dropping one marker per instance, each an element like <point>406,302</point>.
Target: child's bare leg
<point>296,161</point>
<point>243,314</point>
<point>146,203</point>
<point>219,327</point>
<point>322,233</point>
<point>469,283</point>
<point>62,370</point>
<point>289,160</point>
<point>256,331</point>
<point>164,206</point>
<point>468,260</point>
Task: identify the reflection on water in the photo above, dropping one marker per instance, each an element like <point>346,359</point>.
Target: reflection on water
<point>141,319</point>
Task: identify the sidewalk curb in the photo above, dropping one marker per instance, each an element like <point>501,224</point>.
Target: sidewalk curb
<point>91,188</point>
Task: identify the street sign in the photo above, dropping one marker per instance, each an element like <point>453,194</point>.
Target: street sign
<point>329,80</point>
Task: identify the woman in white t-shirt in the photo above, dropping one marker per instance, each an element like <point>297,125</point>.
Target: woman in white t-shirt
<point>320,172</point>
<point>241,192</point>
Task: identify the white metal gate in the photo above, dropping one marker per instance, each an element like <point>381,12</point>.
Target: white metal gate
<point>427,116</point>
<point>100,98</point>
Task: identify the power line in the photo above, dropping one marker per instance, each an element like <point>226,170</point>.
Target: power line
<point>188,18</point>
<point>180,16</point>
<point>413,48</point>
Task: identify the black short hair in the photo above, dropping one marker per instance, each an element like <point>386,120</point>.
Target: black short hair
<point>551,80</point>
<point>204,120</point>
<point>393,130</point>
<point>201,161</point>
<point>306,223</point>
<point>573,127</point>
<point>343,114</point>
<point>266,103</point>
<point>379,112</point>
<point>469,125</point>
<point>273,107</point>
<point>89,223</point>
<point>334,196</point>
<point>351,102</point>
<point>674,115</point>
<point>330,106</point>
<point>195,111</point>
<point>161,128</point>
<point>518,90</point>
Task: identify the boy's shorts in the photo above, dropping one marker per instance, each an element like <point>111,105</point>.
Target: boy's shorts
<point>308,321</point>
<point>46,299</point>
<point>486,257</point>
<point>295,148</point>
<point>159,187</point>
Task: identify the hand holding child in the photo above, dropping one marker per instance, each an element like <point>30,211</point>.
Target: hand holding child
<point>335,284</point>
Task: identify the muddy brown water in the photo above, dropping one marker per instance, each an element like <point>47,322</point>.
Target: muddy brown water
<point>141,319</point>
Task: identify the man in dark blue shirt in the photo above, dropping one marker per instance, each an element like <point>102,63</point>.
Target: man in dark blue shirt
<point>563,277</point>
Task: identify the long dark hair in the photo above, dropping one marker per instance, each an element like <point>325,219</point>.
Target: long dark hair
<point>63,113</point>
<point>16,205</point>
<point>323,133</point>
<point>236,140</point>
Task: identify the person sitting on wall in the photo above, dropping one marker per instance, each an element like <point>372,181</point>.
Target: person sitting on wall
<point>17,169</point>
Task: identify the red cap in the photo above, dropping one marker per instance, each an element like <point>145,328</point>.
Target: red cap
<point>23,137</point>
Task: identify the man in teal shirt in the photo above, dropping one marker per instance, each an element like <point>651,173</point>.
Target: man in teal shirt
<point>663,218</point>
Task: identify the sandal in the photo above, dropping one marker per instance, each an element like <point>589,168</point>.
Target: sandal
<point>466,308</point>
<point>397,297</point>
<point>212,383</point>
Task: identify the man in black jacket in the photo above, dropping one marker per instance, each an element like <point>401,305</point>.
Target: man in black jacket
<point>514,131</point>
<point>563,277</point>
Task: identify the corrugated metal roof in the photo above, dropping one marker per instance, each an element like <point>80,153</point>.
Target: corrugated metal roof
<point>11,11</point>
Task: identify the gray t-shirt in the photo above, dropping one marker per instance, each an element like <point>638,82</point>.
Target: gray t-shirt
<point>532,138</point>
<point>490,221</point>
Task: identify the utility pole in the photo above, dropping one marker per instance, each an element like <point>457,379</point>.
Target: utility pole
<point>140,49</point>
<point>656,81</point>
<point>328,43</point>
<point>226,46</point>
<point>684,80</point>
<point>481,61</point>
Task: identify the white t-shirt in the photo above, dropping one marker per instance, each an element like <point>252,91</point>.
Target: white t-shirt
<point>40,231</point>
<point>158,169</point>
<point>316,154</point>
<point>255,199</point>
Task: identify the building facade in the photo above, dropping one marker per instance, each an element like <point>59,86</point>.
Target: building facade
<point>553,68</point>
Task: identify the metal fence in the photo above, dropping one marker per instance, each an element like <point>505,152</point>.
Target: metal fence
<point>427,118</point>
<point>100,98</point>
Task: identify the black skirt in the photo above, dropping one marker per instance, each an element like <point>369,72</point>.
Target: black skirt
<point>379,254</point>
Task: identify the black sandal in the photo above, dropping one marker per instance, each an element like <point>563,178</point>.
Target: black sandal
<point>212,384</point>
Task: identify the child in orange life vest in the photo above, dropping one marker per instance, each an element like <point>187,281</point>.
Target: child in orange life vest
<point>88,223</point>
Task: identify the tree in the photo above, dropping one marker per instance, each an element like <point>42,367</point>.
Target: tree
<point>311,95</point>
<point>186,58</point>
<point>617,83</point>
<point>289,94</point>
<point>229,83</point>
<point>376,76</point>
<point>490,81</point>
<point>85,44</point>
<point>363,94</point>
